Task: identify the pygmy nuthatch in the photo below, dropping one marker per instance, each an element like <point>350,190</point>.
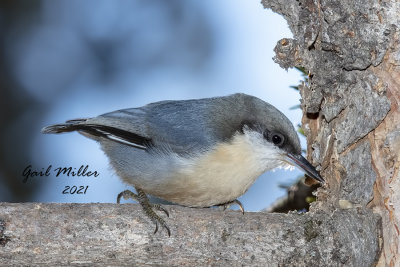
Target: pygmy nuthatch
<point>196,153</point>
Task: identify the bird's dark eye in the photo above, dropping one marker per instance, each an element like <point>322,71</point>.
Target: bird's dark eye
<point>274,137</point>
<point>277,139</point>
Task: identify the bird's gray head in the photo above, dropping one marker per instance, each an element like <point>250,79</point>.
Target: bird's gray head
<point>268,131</point>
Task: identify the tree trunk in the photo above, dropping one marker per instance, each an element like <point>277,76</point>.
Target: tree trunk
<point>351,103</point>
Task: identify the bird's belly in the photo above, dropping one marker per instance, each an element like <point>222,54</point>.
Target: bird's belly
<point>216,177</point>
<point>200,190</point>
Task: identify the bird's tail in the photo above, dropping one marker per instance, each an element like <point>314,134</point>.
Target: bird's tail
<point>97,130</point>
<point>68,126</point>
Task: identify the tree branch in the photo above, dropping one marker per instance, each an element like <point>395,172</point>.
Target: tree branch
<point>37,233</point>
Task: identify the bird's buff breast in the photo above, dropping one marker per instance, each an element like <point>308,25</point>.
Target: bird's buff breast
<point>215,177</point>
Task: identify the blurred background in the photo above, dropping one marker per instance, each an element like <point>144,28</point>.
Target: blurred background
<point>68,59</point>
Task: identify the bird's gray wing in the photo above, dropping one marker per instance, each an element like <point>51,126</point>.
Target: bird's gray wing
<point>182,126</point>
<point>179,126</point>
<point>125,126</point>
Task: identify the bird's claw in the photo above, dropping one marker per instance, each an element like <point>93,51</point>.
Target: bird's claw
<point>164,225</point>
<point>126,195</point>
<point>237,202</point>
<point>147,207</point>
<point>160,208</point>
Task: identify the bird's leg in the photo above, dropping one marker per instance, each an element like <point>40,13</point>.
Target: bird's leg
<point>227,204</point>
<point>147,207</point>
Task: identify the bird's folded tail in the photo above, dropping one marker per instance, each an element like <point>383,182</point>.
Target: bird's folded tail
<point>98,130</point>
<point>68,126</point>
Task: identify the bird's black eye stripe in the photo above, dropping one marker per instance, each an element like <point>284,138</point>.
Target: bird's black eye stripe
<point>266,134</point>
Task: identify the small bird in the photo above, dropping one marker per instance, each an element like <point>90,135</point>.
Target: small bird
<point>195,153</point>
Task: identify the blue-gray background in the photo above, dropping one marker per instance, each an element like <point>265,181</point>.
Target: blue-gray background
<point>68,59</point>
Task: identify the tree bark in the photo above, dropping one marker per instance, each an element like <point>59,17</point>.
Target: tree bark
<point>351,103</point>
<point>111,234</point>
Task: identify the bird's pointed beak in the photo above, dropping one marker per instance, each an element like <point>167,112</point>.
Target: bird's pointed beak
<point>303,164</point>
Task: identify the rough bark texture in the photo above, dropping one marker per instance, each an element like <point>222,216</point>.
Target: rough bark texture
<point>351,104</point>
<point>111,234</point>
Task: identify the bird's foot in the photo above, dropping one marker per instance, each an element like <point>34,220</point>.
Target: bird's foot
<point>237,202</point>
<point>147,207</point>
